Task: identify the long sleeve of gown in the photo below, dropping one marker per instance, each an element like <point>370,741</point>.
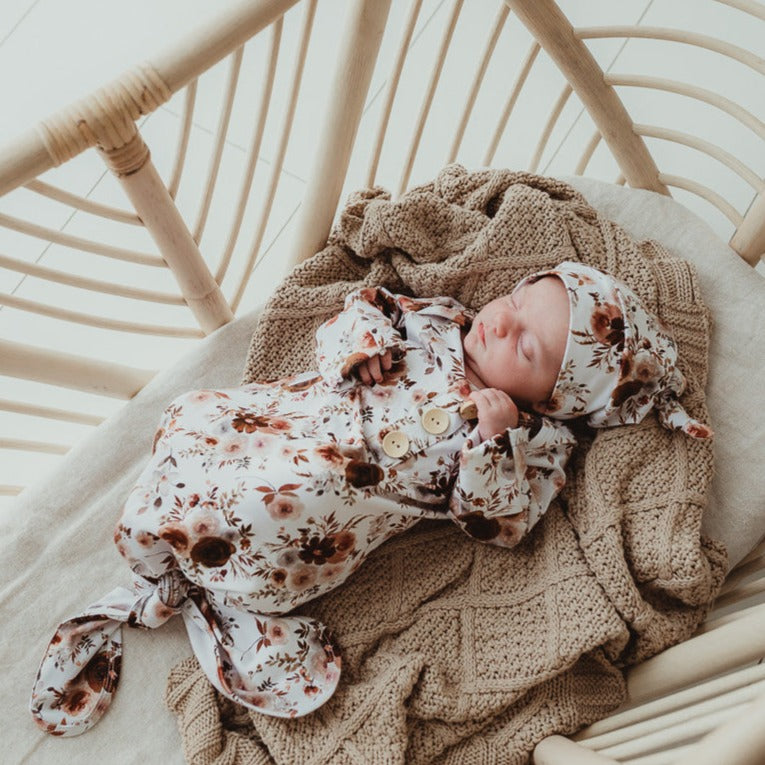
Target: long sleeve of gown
<point>506,483</point>
<point>373,321</point>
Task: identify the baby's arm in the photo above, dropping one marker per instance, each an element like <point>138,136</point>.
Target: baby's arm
<point>366,336</point>
<point>366,328</point>
<point>506,483</point>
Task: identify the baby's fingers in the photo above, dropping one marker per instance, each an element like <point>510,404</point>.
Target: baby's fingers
<point>374,368</point>
<point>371,370</point>
<point>362,370</point>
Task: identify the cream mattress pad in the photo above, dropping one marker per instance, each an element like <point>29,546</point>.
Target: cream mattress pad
<point>58,555</point>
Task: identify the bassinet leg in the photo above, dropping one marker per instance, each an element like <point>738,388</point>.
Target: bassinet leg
<point>558,750</point>
<point>155,207</point>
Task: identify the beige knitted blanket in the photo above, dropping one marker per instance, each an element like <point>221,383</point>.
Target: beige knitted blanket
<point>455,651</point>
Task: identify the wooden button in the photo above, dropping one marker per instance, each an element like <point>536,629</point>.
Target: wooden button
<point>435,421</point>
<point>395,444</point>
<point>468,410</point>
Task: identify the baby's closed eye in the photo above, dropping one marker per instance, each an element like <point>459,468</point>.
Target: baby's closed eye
<point>526,346</point>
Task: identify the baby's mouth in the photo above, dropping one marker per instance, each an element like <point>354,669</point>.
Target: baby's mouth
<point>481,334</point>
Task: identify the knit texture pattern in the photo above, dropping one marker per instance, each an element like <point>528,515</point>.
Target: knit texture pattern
<point>455,651</point>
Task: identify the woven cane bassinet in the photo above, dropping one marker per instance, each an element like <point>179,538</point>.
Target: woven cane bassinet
<point>214,133</point>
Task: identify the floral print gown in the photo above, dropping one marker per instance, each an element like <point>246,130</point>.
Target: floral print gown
<point>259,498</point>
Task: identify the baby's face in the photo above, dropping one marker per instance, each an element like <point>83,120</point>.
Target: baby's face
<point>516,343</point>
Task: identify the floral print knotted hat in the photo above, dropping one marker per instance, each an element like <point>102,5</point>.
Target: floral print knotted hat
<point>620,360</point>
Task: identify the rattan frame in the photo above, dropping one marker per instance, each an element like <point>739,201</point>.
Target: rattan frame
<point>699,702</point>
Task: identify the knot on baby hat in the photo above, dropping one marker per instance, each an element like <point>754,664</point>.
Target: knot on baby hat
<point>620,360</point>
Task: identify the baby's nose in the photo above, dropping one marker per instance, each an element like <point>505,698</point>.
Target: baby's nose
<point>503,322</point>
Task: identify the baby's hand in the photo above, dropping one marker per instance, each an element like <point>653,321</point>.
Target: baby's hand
<point>373,370</point>
<point>496,412</point>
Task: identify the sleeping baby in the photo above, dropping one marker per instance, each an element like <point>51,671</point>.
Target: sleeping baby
<point>259,498</point>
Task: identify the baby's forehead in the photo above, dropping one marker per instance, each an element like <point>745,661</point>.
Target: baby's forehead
<point>528,281</point>
<point>546,283</point>
<point>537,278</point>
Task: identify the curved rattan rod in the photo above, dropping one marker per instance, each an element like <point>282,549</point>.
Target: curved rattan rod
<point>254,150</point>
<point>428,100</point>
<point>85,283</point>
<point>112,109</point>
<point>692,91</point>
<point>740,741</point>
<point>281,152</point>
<point>49,413</point>
<point>700,657</point>
<point>68,370</point>
<point>510,105</point>
<point>589,150</point>
<point>679,733</point>
<point>746,6</point>
<point>712,150</point>
<point>668,720</point>
<point>105,117</point>
<point>187,118</point>
<point>81,203</point>
<point>550,26</point>
<point>559,750</point>
<point>78,243</point>
<point>704,192</point>
<point>191,56</point>
<point>491,44</point>
<point>714,44</point>
<point>23,445</point>
<point>551,122</point>
<point>665,757</point>
<point>678,727</point>
<point>221,132</point>
<point>393,81</point>
<point>101,322</point>
<point>675,701</point>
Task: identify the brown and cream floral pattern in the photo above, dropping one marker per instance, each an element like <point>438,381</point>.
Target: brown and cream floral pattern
<point>260,498</point>
<point>620,362</point>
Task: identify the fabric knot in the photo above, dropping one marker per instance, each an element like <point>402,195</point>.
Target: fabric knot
<point>172,588</point>
<point>80,670</point>
<point>159,599</point>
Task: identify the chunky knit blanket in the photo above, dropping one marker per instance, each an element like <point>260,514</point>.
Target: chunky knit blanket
<point>454,651</point>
